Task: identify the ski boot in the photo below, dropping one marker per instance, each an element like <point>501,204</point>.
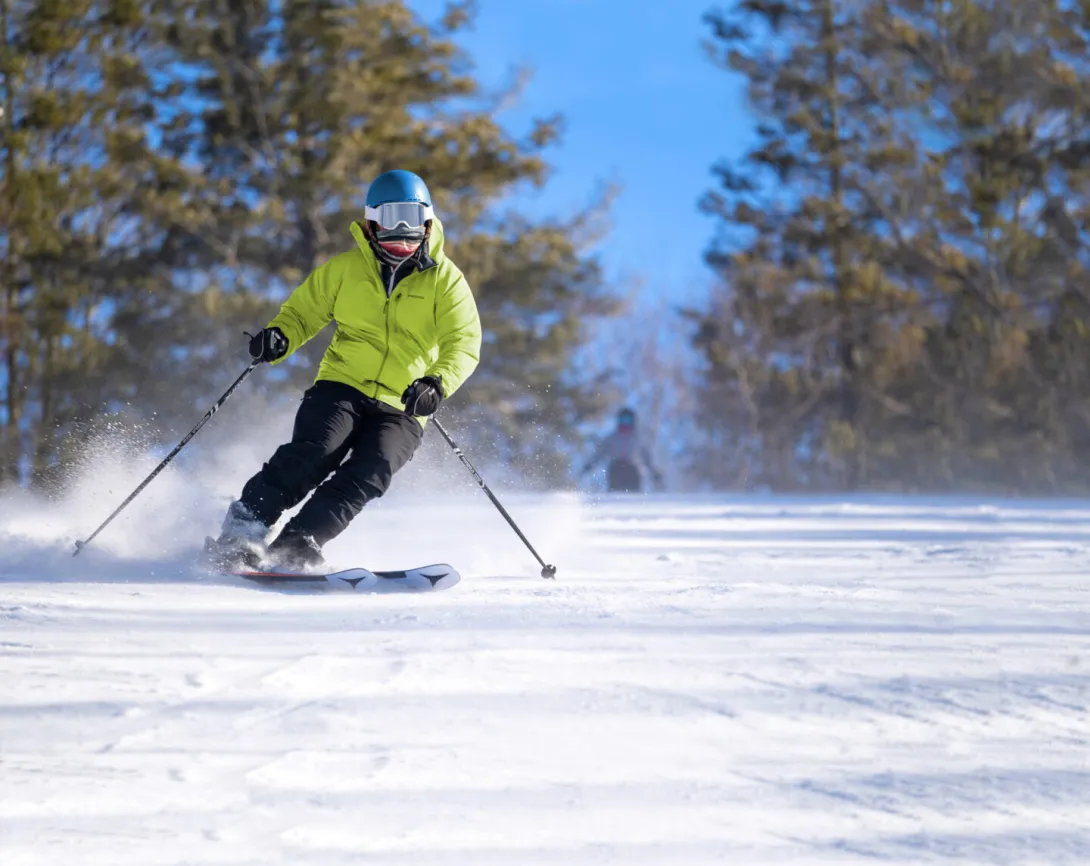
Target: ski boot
<point>241,545</point>
<point>296,553</point>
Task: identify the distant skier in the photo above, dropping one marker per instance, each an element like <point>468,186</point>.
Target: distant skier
<point>626,456</point>
<point>407,337</point>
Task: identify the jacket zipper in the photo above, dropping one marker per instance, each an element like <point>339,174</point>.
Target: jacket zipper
<point>386,316</point>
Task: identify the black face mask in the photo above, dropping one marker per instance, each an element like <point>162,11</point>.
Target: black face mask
<point>402,234</point>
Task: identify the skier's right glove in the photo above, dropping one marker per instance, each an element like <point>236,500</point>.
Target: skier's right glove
<point>268,344</point>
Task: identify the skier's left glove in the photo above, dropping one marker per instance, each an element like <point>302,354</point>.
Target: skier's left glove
<point>423,396</point>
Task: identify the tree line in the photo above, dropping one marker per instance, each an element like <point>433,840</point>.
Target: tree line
<point>170,169</point>
<point>902,298</point>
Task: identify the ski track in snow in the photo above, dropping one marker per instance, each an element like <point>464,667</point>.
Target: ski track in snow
<point>710,680</point>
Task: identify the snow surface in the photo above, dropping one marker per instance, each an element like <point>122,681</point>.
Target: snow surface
<point>709,681</point>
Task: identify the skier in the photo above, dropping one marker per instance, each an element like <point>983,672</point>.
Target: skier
<point>408,335</point>
<point>626,455</point>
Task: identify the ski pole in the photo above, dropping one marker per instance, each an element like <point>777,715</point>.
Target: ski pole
<point>207,415</point>
<point>547,571</point>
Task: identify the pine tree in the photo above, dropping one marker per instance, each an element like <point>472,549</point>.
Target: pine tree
<point>1005,96</point>
<point>905,304</point>
<point>801,329</point>
<point>85,192</point>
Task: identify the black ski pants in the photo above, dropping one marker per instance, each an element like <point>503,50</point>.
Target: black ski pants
<point>338,430</point>
<point>623,476</point>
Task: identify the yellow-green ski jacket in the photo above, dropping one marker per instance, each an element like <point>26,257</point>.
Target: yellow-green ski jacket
<point>428,326</point>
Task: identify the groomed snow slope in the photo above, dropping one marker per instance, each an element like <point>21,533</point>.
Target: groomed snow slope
<point>709,681</point>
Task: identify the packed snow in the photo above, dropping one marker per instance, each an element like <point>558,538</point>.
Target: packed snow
<point>709,680</point>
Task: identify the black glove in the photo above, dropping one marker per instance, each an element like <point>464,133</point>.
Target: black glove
<point>268,344</point>
<point>423,396</point>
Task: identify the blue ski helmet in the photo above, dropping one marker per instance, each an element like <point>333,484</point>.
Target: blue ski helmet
<point>626,418</point>
<point>397,186</point>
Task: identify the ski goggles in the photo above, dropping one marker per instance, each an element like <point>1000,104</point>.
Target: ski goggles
<point>411,214</point>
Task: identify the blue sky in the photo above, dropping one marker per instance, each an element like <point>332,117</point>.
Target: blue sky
<point>643,107</point>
